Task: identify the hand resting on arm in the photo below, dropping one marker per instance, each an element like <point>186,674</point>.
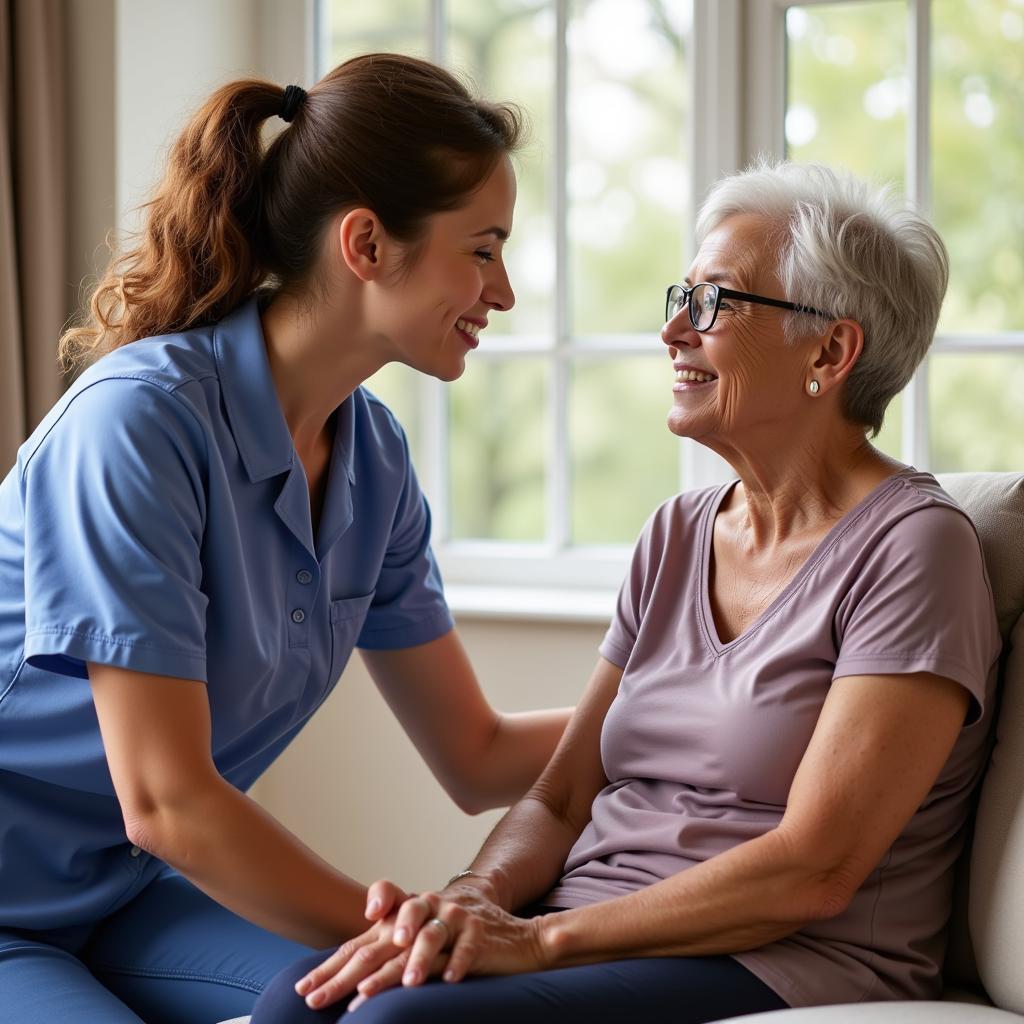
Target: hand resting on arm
<point>879,744</point>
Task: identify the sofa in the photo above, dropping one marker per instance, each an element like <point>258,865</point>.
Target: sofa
<point>982,985</point>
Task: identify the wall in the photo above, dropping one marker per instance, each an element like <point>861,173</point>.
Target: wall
<point>170,56</point>
<point>354,788</point>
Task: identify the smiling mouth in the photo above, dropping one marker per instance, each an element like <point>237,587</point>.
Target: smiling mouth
<point>469,331</point>
<point>687,380</point>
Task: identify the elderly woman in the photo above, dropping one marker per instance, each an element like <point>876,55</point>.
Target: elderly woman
<point>762,794</point>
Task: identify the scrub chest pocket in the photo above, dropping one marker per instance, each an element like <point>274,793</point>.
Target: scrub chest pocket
<point>347,617</point>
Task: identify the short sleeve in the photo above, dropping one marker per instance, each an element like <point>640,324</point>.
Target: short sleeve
<point>922,604</point>
<point>619,640</point>
<point>408,606</point>
<point>114,512</point>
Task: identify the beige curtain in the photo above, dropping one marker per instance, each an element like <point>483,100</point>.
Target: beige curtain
<point>33,217</point>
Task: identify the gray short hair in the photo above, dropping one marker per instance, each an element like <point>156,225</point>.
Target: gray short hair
<point>851,248</point>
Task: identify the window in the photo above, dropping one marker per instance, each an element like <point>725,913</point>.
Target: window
<point>927,94</point>
<point>544,460</point>
<point>571,388</point>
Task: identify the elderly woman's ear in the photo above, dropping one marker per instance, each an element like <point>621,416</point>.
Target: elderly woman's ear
<point>834,356</point>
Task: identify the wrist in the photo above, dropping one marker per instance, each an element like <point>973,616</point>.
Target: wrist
<point>555,938</point>
<point>468,873</point>
<point>487,883</point>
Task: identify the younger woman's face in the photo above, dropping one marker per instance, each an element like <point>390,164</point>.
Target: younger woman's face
<point>441,305</point>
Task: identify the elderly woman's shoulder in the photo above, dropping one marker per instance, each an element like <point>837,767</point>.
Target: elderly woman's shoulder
<point>683,514</point>
<point>921,515</point>
<point>921,490</point>
<point>696,501</point>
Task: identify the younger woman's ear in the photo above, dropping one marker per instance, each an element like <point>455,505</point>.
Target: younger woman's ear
<point>838,353</point>
<point>360,235</point>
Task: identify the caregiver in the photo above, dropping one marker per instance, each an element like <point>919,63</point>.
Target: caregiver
<point>213,516</point>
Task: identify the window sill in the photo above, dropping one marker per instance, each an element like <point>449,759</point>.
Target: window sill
<point>592,606</point>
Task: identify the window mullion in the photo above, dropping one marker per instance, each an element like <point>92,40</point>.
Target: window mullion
<point>915,419</point>
<point>437,31</point>
<point>318,39</point>
<point>715,88</point>
<point>435,420</point>
<point>559,528</point>
<point>916,441</point>
<point>764,64</point>
<point>919,119</point>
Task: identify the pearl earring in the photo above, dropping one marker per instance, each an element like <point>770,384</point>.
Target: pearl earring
<point>814,387</point>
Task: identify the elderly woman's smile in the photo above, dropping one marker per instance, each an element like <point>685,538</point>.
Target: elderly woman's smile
<point>689,377</point>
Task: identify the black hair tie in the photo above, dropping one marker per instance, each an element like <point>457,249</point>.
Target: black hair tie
<point>293,97</point>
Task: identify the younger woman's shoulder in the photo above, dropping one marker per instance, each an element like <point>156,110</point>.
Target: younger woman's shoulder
<point>124,399</point>
<point>379,438</point>
<point>167,361</point>
<point>378,416</point>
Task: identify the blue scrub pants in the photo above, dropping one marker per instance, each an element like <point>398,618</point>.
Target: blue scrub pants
<point>170,956</point>
<point>662,990</point>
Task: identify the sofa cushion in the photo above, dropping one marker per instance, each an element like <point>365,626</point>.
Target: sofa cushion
<point>995,503</point>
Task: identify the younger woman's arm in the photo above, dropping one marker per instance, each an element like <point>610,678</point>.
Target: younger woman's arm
<point>176,806</point>
<point>481,757</point>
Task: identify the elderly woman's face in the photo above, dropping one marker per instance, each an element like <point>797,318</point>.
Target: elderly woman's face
<point>756,378</point>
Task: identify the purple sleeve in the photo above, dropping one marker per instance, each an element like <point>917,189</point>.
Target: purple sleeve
<point>922,604</point>
<point>618,642</point>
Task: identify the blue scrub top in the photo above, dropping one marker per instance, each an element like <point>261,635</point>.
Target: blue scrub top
<point>158,520</point>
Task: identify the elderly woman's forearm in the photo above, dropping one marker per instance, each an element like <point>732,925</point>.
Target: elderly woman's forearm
<point>527,850</point>
<point>524,855</point>
<point>751,895</point>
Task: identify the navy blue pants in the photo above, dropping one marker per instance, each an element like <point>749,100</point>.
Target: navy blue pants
<point>170,956</point>
<point>664,990</point>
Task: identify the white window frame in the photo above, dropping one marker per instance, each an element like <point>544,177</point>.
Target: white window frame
<point>555,577</point>
<point>733,68</point>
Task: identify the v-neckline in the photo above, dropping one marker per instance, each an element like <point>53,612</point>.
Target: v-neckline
<point>782,597</point>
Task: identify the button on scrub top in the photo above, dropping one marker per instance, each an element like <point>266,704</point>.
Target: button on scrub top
<point>158,520</point>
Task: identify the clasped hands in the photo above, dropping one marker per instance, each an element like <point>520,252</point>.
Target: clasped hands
<point>451,933</point>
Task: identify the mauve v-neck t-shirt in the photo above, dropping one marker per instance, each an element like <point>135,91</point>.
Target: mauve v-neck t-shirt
<point>702,742</point>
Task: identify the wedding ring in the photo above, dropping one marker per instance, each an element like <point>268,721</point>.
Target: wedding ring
<point>438,923</point>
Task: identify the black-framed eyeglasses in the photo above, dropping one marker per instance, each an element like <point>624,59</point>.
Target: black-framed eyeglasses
<point>705,299</point>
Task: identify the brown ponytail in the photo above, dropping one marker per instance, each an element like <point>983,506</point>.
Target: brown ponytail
<point>394,133</point>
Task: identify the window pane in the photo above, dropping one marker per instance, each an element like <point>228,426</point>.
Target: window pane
<point>399,388</point>
<point>976,407</point>
<point>628,167</point>
<point>977,133</point>
<point>508,50</point>
<point>397,26</point>
<point>847,86</point>
<point>625,461</point>
<point>497,441</point>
